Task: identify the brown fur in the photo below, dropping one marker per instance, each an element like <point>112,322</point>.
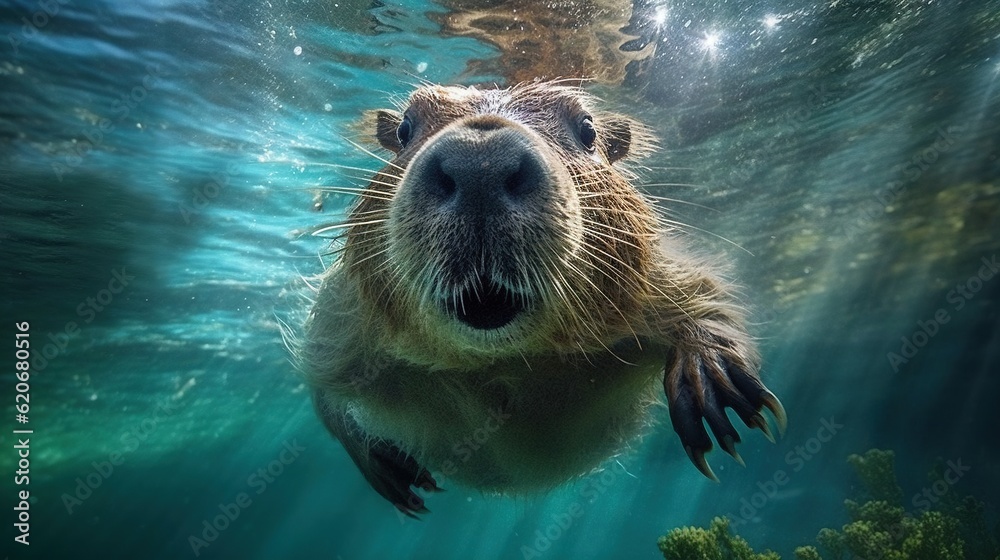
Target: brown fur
<point>611,310</point>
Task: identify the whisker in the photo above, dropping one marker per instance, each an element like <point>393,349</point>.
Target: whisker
<point>374,155</point>
<point>566,294</point>
<point>347,224</point>
<point>619,212</point>
<point>367,193</point>
<point>587,173</point>
<point>375,181</point>
<point>356,213</point>
<point>716,235</point>
<point>688,185</point>
<point>372,256</point>
<point>614,273</point>
<point>609,194</point>
<point>597,289</point>
<point>644,281</point>
<point>597,337</point>
<point>608,235</point>
<point>679,201</point>
<point>342,166</point>
<point>662,168</point>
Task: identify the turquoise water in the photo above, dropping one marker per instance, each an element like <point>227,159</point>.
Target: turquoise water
<point>159,166</point>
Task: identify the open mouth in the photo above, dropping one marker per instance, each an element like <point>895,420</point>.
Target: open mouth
<point>486,305</point>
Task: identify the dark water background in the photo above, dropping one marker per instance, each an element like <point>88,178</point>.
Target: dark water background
<point>849,148</point>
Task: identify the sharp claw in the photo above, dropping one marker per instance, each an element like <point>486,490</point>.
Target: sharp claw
<point>758,421</point>
<point>410,512</point>
<point>431,486</point>
<point>701,385</point>
<point>729,446</point>
<point>425,481</point>
<point>698,458</point>
<point>774,405</point>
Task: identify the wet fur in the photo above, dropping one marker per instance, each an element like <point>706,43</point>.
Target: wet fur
<point>622,317</point>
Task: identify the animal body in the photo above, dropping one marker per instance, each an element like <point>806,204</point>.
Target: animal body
<point>505,312</point>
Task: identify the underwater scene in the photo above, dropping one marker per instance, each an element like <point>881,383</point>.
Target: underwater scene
<point>172,177</point>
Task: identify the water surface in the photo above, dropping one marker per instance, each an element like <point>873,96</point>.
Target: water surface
<point>161,158</point>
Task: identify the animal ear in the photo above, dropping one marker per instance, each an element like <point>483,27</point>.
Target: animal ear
<point>617,135</point>
<point>386,125</point>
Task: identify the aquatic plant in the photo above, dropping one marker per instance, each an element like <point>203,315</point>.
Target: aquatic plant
<point>882,532</point>
<point>715,543</point>
<point>980,541</point>
<point>880,528</point>
<point>690,542</point>
<point>876,469</point>
<point>807,553</point>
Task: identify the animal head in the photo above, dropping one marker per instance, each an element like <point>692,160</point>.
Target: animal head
<point>504,223</point>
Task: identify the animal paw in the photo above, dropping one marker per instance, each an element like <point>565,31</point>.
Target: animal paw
<point>391,472</point>
<point>702,378</point>
<point>388,470</point>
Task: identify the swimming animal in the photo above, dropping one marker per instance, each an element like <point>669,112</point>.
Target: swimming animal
<point>507,309</point>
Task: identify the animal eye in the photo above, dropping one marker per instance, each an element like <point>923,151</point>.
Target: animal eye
<point>405,132</point>
<point>588,135</point>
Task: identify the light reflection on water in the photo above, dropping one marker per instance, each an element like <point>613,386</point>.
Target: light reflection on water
<point>849,148</point>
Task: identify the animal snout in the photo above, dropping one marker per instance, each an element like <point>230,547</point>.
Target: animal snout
<point>481,166</point>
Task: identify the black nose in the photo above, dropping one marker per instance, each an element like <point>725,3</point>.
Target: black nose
<point>482,165</point>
